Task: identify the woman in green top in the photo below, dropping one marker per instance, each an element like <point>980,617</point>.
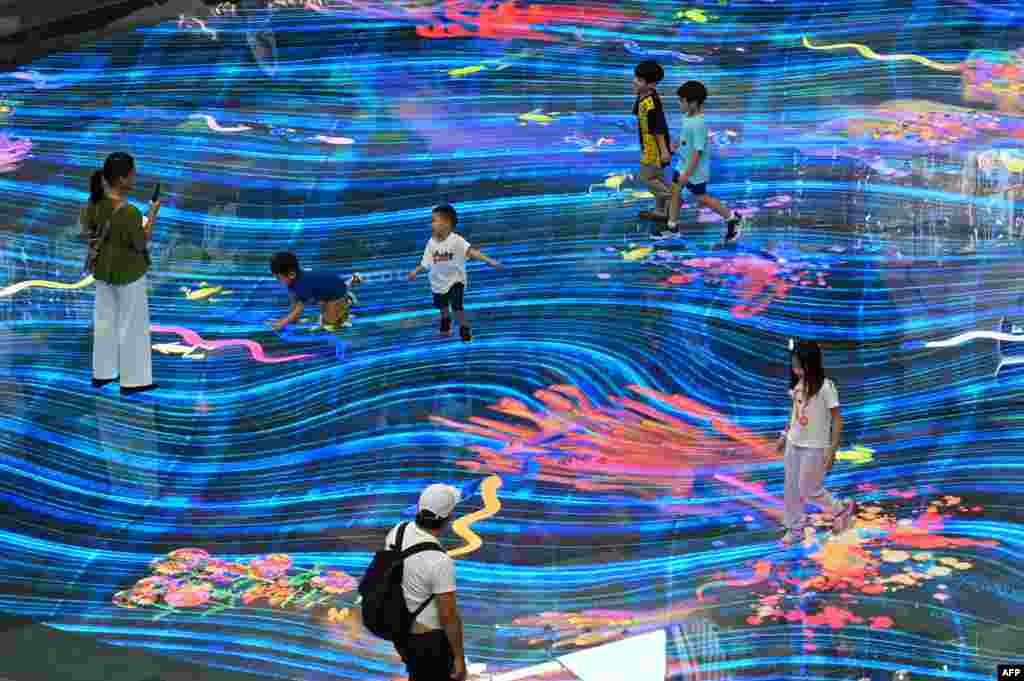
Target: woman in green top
<point>121,345</point>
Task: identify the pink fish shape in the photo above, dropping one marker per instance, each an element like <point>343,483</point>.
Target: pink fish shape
<point>255,349</point>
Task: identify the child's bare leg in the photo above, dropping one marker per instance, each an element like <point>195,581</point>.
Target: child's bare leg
<point>674,205</point>
<point>330,312</point>
<point>715,205</point>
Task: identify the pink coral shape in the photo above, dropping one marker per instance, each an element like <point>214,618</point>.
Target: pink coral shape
<point>335,582</point>
<point>223,572</point>
<point>155,585</point>
<point>189,595</point>
<point>193,558</point>
<point>271,567</point>
<point>882,622</point>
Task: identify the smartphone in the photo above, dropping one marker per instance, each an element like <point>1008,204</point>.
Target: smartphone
<point>156,193</point>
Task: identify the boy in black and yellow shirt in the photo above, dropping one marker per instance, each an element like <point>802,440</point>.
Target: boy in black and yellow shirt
<point>654,138</point>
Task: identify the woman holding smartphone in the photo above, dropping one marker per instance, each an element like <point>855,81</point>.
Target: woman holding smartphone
<point>121,346</point>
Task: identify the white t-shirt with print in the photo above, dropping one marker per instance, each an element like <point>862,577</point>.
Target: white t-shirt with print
<point>446,261</point>
<point>810,424</point>
<point>426,573</point>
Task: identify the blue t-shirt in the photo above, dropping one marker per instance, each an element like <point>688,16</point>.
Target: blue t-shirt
<point>694,137</point>
<point>319,287</point>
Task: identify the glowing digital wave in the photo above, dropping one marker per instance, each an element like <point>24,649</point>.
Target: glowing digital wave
<point>965,338</point>
<point>41,283</point>
<point>463,526</point>
<point>212,123</point>
<point>868,53</point>
<point>634,48</point>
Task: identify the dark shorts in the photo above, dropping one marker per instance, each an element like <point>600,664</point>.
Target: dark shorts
<point>428,657</point>
<point>695,189</point>
<point>453,298</point>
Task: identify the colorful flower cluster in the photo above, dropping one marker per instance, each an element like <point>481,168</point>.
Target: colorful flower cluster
<point>190,579</point>
<point>881,554</point>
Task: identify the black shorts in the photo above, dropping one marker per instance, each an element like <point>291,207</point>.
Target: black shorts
<point>695,189</point>
<point>428,657</point>
<point>452,298</point>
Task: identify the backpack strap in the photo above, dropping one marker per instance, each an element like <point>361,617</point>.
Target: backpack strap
<point>400,537</point>
<point>412,551</point>
<point>415,548</point>
<point>419,548</point>
<point>420,609</point>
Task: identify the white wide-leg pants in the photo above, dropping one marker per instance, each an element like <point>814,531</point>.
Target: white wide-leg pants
<point>805,483</point>
<point>121,345</point>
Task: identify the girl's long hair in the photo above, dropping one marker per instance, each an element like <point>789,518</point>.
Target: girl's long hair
<point>809,355</point>
<point>117,165</point>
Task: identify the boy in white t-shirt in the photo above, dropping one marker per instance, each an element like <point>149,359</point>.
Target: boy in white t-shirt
<point>445,256</point>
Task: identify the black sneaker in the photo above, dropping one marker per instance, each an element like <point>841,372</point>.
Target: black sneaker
<point>138,389</point>
<point>446,326</point>
<point>656,217</point>
<point>100,382</point>
<point>733,231</point>
<point>466,334</point>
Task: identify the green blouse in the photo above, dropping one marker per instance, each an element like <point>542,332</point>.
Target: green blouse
<point>123,259</point>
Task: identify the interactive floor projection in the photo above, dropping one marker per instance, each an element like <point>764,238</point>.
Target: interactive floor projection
<point>612,423</point>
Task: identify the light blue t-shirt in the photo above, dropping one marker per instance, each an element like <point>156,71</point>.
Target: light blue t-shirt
<point>694,137</point>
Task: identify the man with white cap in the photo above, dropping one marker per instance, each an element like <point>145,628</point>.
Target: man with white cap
<point>434,650</point>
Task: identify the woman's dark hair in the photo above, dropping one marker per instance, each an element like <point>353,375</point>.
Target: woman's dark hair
<point>428,521</point>
<point>284,264</point>
<point>117,165</point>
<point>808,354</point>
<point>693,91</point>
<point>649,71</point>
<point>448,213</point>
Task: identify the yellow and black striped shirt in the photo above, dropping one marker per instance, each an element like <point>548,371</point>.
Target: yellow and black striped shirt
<point>650,116</point>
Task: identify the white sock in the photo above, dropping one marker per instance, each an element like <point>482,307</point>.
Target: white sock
<point>672,224</point>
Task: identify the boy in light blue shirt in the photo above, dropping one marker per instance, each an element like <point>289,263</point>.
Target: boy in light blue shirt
<point>692,168</point>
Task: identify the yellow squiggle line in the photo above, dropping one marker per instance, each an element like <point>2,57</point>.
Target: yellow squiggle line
<point>868,53</point>
<point>489,491</point>
<point>21,286</point>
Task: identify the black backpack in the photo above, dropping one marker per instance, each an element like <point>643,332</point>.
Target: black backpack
<point>383,602</point>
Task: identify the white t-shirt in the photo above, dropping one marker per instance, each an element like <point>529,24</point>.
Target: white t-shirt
<point>810,424</point>
<point>446,261</point>
<point>426,573</point>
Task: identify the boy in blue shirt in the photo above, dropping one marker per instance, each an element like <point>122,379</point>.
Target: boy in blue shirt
<point>692,169</point>
<point>329,290</point>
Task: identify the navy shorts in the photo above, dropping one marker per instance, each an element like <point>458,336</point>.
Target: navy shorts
<point>695,189</point>
<point>452,298</point>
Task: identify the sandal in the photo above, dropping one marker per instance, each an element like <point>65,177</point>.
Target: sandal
<point>844,519</point>
<point>792,537</point>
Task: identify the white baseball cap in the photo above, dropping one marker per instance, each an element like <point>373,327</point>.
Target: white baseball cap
<point>440,500</point>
